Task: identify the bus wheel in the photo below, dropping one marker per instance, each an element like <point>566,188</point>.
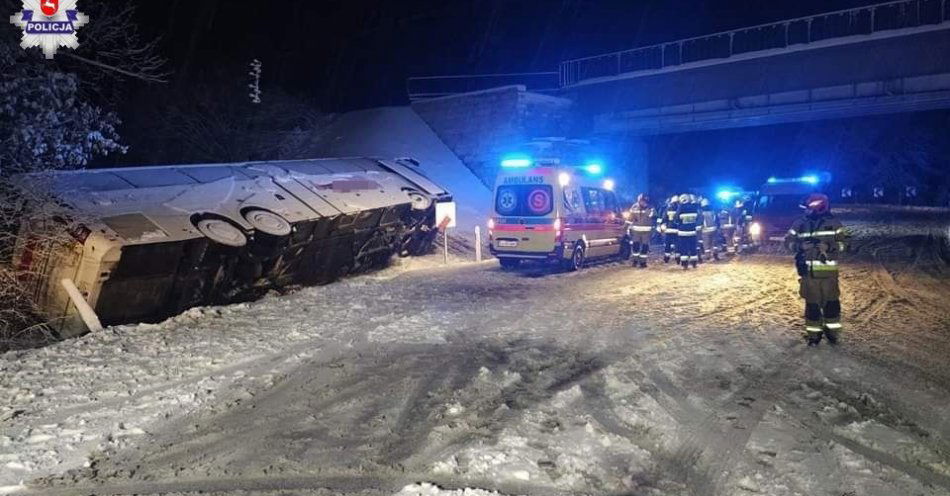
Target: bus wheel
<point>509,263</point>
<point>576,262</point>
<point>221,231</point>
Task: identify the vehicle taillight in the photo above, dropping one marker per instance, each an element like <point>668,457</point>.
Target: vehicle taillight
<point>491,228</point>
<point>558,233</point>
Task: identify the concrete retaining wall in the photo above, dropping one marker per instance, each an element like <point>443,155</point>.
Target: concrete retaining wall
<point>482,126</point>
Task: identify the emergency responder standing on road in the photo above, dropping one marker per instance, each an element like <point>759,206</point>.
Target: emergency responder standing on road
<point>710,230</point>
<point>817,239</point>
<point>669,229</point>
<point>727,227</point>
<point>743,215</point>
<point>687,220</point>
<point>642,218</point>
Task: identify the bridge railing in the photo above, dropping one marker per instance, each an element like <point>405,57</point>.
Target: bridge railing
<point>866,20</point>
<point>425,87</point>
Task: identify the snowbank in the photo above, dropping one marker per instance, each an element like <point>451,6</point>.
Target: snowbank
<point>390,132</point>
<point>426,489</point>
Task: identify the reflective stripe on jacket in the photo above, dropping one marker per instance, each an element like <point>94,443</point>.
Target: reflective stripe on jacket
<point>641,218</point>
<point>687,217</point>
<point>819,240</point>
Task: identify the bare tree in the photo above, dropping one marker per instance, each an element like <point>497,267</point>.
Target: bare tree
<point>113,52</point>
<point>211,124</point>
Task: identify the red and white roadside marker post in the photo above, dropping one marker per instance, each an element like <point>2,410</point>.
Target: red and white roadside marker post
<point>445,214</point>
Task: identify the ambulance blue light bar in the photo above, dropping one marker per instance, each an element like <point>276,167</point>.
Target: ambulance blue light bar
<point>810,179</point>
<point>726,195</point>
<point>516,162</point>
<point>594,168</point>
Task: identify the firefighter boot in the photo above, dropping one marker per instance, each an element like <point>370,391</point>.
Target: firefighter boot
<point>813,326</point>
<point>832,323</point>
<point>695,263</point>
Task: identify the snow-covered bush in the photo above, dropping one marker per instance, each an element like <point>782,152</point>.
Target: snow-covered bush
<point>44,125</point>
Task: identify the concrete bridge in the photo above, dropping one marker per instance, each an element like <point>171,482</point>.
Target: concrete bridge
<point>892,57</point>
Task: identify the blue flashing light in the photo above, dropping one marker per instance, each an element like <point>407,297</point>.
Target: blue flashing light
<point>516,162</point>
<point>726,195</point>
<point>594,168</point>
<point>773,180</point>
<point>811,179</point>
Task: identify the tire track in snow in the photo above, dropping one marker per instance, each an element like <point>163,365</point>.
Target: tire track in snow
<point>384,485</point>
<point>807,419</point>
<point>711,448</point>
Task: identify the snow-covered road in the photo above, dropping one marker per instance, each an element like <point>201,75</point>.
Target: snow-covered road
<point>613,380</point>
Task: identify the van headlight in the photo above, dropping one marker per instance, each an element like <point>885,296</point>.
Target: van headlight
<point>755,229</point>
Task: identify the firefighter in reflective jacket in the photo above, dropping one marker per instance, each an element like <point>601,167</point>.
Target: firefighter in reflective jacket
<point>817,239</point>
<point>727,227</point>
<point>710,230</point>
<point>743,215</point>
<point>669,229</point>
<point>687,221</point>
<point>641,217</point>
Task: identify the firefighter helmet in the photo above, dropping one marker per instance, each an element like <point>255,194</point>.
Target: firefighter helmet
<point>643,199</point>
<point>704,202</point>
<point>684,198</point>
<point>817,203</point>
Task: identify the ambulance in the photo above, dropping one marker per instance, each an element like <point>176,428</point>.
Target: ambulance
<point>563,215</point>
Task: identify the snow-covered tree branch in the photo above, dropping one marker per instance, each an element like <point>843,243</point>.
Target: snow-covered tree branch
<point>112,50</point>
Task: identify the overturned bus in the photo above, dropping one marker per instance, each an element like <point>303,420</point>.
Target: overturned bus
<point>150,242</point>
